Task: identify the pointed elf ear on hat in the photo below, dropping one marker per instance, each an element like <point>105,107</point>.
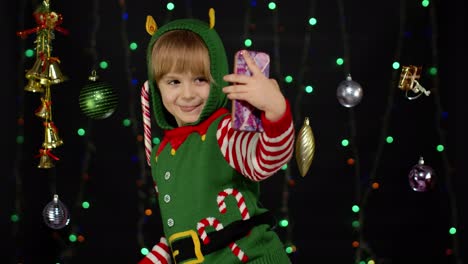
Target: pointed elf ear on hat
<point>211,14</point>
<point>151,26</point>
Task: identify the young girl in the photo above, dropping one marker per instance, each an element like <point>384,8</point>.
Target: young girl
<point>206,173</point>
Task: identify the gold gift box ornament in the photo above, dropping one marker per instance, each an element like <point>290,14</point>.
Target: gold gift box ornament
<point>409,82</point>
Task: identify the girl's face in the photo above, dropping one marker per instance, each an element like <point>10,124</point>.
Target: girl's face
<point>184,95</point>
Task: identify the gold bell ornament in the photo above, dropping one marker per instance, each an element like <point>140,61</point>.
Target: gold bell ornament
<point>34,86</point>
<point>38,72</point>
<point>46,159</point>
<point>44,110</point>
<point>46,68</point>
<point>305,147</point>
<point>46,71</point>
<point>51,138</point>
<point>54,73</point>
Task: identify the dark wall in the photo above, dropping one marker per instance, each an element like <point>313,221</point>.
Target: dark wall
<point>400,223</point>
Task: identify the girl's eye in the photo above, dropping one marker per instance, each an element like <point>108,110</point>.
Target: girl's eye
<point>201,80</point>
<point>173,82</point>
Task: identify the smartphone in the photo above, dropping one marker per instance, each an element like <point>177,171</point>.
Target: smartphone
<point>246,117</point>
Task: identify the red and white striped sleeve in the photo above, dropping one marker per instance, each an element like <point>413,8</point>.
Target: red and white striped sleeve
<point>258,155</point>
<point>160,254</point>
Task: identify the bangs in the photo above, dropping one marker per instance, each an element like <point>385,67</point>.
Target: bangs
<point>180,51</point>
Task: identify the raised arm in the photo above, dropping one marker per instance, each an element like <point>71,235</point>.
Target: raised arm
<point>258,155</point>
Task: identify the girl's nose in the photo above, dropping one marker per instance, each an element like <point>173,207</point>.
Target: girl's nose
<point>187,91</point>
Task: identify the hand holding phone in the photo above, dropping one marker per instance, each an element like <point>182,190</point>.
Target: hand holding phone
<point>246,117</point>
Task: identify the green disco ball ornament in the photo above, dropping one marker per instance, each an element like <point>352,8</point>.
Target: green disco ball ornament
<point>98,100</point>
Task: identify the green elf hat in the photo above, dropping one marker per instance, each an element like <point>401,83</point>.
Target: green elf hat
<point>218,66</point>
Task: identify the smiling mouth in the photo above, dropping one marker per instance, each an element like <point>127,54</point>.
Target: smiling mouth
<point>188,108</point>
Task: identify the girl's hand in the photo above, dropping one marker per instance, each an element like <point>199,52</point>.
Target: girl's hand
<point>258,90</point>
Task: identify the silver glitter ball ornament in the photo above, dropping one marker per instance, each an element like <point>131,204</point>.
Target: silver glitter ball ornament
<point>421,177</point>
<point>349,92</point>
<point>55,214</point>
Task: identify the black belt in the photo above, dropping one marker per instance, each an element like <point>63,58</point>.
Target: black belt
<point>186,245</point>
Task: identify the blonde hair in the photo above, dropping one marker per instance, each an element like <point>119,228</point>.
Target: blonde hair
<point>181,51</point>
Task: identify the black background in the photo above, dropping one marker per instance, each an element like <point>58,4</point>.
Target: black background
<point>402,226</point>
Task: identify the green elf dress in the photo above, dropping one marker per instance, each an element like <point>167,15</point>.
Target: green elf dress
<point>207,174</point>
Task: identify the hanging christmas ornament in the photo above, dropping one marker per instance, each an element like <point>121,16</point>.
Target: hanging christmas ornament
<point>55,214</point>
<point>421,177</point>
<point>98,100</point>
<point>305,147</point>
<point>44,110</point>
<point>34,86</point>
<point>46,159</point>
<point>408,82</point>
<point>51,137</point>
<point>349,92</point>
<point>45,69</point>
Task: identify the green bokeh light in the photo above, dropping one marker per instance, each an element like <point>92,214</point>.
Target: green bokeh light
<point>339,61</point>
<point>355,224</point>
<point>355,208</point>
<point>170,6</point>
<point>133,46</point>
<point>19,139</point>
<point>452,231</point>
<point>272,5</point>
<point>103,65</point>
<point>81,132</point>
<point>344,142</point>
<point>284,223</point>
<point>29,53</point>
<point>144,251</point>
<point>14,218</point>
<point>126,122</point>
<point>85,205</point>
<point>312,21</point>
<point>72,238</point>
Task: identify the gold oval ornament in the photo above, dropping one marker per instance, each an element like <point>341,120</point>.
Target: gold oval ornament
<point>305,147</point>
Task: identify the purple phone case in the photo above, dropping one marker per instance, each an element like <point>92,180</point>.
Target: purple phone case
<point>245,117</point>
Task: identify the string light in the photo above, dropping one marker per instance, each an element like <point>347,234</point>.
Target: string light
<point>358,243</point>
<point>77,230</point>
<point>288,79</point>
<point>17,212</point>
<point>284,223</point>
<point>145,192</point>
<point>448,169</point>
<point>363,251</point>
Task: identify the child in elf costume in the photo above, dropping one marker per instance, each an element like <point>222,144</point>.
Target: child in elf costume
<point>206,173</point>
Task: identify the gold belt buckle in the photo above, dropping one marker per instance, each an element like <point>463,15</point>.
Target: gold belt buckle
<point>196,244</point>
